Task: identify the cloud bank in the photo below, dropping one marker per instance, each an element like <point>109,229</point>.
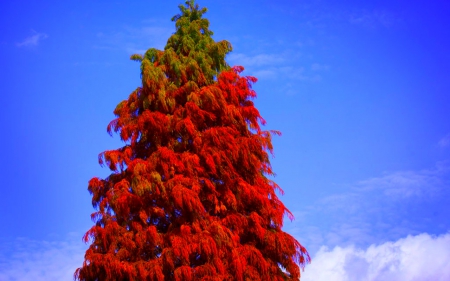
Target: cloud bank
<point>421,257</point>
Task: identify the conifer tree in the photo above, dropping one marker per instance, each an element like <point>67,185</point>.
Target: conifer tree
<point>189,197</point>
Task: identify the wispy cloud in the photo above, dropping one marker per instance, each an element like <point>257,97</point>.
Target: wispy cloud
<point>319,67</point>
<point>24,259</point>
<point>275,66</point>
<point>408,183</point>
<point>372,19</point>
<point>421,257</point>
<point>32,40</point>
<point>324,16</point>
<point>256,60</point>
<point>287,72</point>
<point>445,141</point>
<point>378,209</point>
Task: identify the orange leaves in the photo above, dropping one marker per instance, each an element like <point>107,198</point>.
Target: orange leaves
<point>154,271</point>
<point>237,265</point>
<point>191,163</point>
<point>207,247</point>
<point>198,115</point>
<point>158,212</point>
<point>153,123</point>
<point>258,225</point>
<point>164,159</point>
<point>181,248</point>
<point>212,99</point>
<point>186,126</point>
<point>237,69</point>
<point>143,216</point>
<point>120,197</point>
<point>237,223</point>
<point>218,150</point>
<point>153,236</point>
<point>249,264</point>
<point>115,159</point>
<point>113,125</point>
<point>141,183</point>
<point>185,230</point>
<point>97,216</point>
<point>187,200</point>
<point>207,271</point>
<point>183,273</point>
<point>221,235</point>
<point>229,199</point>
<point>211,164</point>
<point>96,188</point>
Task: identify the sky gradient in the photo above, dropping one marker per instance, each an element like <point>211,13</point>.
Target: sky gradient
<point>359,90</point>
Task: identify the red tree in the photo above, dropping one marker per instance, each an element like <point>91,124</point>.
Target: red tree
<point>189,197</point>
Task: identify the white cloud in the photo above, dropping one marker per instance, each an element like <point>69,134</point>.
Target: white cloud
<point>25,259</point>
<point>32,40</point>
<point>445,141</point>
<point>421,257</point>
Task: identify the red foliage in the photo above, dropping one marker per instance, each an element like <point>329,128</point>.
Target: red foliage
<point>189,197</point>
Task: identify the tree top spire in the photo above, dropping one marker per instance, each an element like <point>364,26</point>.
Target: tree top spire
<point>190,10</point>
<point>190,53</point>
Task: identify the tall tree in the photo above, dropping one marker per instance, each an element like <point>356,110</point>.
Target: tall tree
<point>189,197</point>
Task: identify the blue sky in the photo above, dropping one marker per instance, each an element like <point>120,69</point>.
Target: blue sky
<point>359,89</point>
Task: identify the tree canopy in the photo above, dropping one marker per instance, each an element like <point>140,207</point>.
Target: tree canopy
<point>189,196</point>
